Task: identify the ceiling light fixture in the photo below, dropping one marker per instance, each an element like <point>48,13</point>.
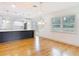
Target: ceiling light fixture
<point>13,5</point>
<point>35,5</point>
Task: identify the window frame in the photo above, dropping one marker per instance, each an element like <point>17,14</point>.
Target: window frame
<point>62,29</point>
<point>56,29</point>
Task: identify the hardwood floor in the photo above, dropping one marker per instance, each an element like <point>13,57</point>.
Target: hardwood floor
<point>26,47</point>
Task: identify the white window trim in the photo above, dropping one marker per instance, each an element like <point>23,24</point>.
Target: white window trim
<point>63,29</point>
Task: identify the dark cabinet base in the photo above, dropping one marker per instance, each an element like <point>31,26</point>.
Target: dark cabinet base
<point>15,35</point>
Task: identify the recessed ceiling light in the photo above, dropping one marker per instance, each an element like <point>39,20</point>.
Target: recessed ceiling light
<point>13,5</point>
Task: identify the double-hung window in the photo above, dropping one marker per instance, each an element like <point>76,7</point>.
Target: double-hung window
<point>68,23</point>
<point>64,24</point>
<point>56,24</point>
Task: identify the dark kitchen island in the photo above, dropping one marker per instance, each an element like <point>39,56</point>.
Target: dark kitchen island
<point>15,35</point>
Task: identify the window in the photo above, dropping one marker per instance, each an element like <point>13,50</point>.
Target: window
<point>64,23</point>
<point>68,23</point>
<point>56,23</point>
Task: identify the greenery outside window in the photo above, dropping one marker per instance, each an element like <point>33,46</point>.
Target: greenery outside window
<point>56,24</point>
<point>68,23</point>
<point>64,24</point>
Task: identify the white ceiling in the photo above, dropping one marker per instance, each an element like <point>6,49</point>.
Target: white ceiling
<point>27,10</point>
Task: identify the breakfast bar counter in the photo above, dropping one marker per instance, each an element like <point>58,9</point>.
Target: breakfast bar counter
<point>15,35</point>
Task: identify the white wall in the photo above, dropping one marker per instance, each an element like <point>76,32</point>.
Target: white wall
<point>68,38</point>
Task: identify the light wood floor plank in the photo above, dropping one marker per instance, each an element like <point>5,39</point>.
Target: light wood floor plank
<point>26,47</point>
